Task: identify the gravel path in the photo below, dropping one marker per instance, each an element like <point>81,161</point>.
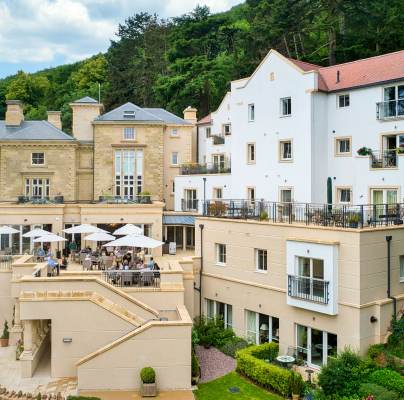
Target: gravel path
<point>214,363</point>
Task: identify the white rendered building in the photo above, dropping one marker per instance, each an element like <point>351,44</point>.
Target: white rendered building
<point>292,126</point>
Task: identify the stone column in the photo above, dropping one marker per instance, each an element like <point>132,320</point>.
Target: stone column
<point>27,357</point>
<point>16,329</point>
<point>184,238</point>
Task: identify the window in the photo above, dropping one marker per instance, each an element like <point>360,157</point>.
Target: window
<point>261,328</point>
<point>251,194</point>
<point>343,100</point>
<point>37,188</point>
<point>190,201</point>
<point>344,195</point>
<point>174,158</point>
<point>343,146</point>
<point>223,311</point>
<point>208,131</point>
<point>38,158</point>
<point>174,132</point>
<point>251,112</point>
<point>250,153</point>
<point>401,268</point>
<point>286,150</point>
<point>173,187</point>
<point>128,173</point>
<point>286,106</point>
<point>227,129</point>
<point>220,254</point>
<point>272,76</point>
<point>219,162</point>
<point>218,193</point>
<point>261,259</point>
<point>394,101</point>
<point>309,284</point>
<point>129,133</point>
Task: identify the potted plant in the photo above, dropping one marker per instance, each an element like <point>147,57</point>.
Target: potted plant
<point>353,220</point>
<point>263,216</point>
<point>296,385</point>
<point>19,349</point>
<point>5,336</point>
<point>145,197</point>
<point>148,386</point>
<point>364,151</point>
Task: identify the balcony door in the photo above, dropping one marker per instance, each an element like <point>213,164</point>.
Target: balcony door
<point>310,273</point>
<point>190,199</point>
<point>218,161</point>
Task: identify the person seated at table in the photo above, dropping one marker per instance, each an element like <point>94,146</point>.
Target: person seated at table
<point>64,263</point>
<point>150,263</point>
<point>140,264</point>
<point>49,253</point>
<point>156,267</point>
<point>127,257</point>
<point>51,265</point>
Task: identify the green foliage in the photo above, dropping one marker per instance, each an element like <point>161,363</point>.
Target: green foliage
<point>148,375</point>
<point>263,215</point>
<point>251,362</point>
<point>389,379</point>
<point>343,374</point>
<point>233,345</point>
<point>194,338</point>
<point>195,367</point>
<point>378,392</point>
<point>212,332</point>
<point>296,383</point>
<point>6,333</point>
<point>395,341</point>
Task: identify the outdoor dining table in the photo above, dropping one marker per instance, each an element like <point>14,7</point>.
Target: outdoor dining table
<point>285,360</point>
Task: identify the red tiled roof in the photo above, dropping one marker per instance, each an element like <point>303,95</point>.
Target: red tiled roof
<point>205,120</point>
<point>383,68</point>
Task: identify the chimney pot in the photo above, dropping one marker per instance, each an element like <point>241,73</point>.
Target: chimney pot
<point>190,114</point>
<point>54,118</point>
<point>338,76</point>
<point>14,113</point>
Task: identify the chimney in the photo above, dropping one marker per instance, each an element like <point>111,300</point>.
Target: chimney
<point>85,111</point>
<point>338,76</point>
<point>54,118</point>
<point>190,114</point>
<point>14,113</point>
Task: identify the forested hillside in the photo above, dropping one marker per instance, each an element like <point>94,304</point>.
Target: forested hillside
<point>190,59</point>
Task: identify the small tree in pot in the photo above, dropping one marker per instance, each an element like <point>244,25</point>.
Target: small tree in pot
<point>296,385</point>
<point>5,336</point>
<point>148,387</point>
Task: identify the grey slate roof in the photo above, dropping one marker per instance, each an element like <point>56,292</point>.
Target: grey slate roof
<point>178,220</point>
<point>32,130</point>
<point>86,99</point>
<point>132,112</point>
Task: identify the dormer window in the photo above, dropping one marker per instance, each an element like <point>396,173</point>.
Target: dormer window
<point>130,114</point>
<point>129,133</point>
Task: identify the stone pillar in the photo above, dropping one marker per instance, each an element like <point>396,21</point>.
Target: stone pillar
<point>27,356</point>
<point>16,329</point>
<point>184,238</point>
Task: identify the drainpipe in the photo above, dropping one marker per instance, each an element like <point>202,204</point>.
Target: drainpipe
<point>204,195</point>
<point>388,240</point>
<point>197,144</point>
<point>199,289</point>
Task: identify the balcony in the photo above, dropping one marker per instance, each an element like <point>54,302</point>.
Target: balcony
<point>393,109</point>
<point>383,159</point>
<point>131,278</point>
<point>202,169</point>
<point>218,139</point>
<point>189,205</point>
<point>309,289</point>
<point>137,199</point>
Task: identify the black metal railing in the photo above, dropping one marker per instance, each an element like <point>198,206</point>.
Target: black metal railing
<point>383,159</point>
<point>310,289</point>
<point>189,204</point>
<point>334,215</point>
<point>131,278</point>
<point>218,139</point>
<point>208,168</point>
<point>390,109</point>
<point>137,199</point>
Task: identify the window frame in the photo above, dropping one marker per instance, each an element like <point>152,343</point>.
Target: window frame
<point>224,129</point>
<point>338,191</point>
<point>129,129</point>
<point>251,112</point>
<point>228,309</point>
<point>37,184</point>
<point>251,160</point>
<point>264,256</point>
<point>208,132</point>
<point>344,96</point>
<point>282,142</point>
<point>337,141</point>
<point>176,134</point>
<point>220,253</point>
<point>288,106</point>
<point>215,192</point>
<point>401,268</point>
<point>35,164</point>
<point>177,159</point>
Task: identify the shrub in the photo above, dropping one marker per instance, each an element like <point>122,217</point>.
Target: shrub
<point>233,345</point>
<point>212,332</point>
<point>375,351</point>
<point>266,351</point>
<point>195,367</point>
<point>263,215</point>
<point>6,333</point>
<point>296,383</point>
<point>194,338</point>
<point>377,391</point>
<point>389,379</point>
<point>147,375</point>
<point>395,341</point>
<point>343,374</point>
<point>260,371</point>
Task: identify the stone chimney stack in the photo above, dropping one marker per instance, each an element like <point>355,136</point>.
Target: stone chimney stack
<point>14,113</point>
<point>85,111</point>
<point>190,114</point>
<point>54,118</point>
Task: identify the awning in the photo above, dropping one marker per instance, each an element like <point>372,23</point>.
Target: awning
<point>179,220</point>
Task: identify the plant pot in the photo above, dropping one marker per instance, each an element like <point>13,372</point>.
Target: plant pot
<point>4,342</point>
<point>148,389</point>
<point>195,380</point>
<point>295,396</point>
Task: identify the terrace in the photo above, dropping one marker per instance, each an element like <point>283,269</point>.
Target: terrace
<point>328,215</point>
<point>207,168</point>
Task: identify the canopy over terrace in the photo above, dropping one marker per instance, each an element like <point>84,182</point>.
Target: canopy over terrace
<point>37,232</point>
<point>135,241</point>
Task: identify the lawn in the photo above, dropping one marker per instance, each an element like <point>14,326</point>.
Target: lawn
<point>219,389</point>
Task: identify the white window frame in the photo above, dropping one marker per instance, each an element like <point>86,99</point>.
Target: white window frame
<point>251,153</point>
<point>208,132</point>
<point>37,159</point>
<point>251,194</point>
<point>271,338</point>
<point>216,191</point>
<point>37,187</point>
<point>343,96</point>
<point>401,268</point>
<point>226,129</point>
<point>251,112</point>
<point>338,141</point>
<point>128,185</point>
<point>339,195</point>
<point>288,102</point>
<point>261,254</point>
<point>221,254</point>
<point>129,133</point>
<point>228,310</point>
<point>177,158</point>
<point>281,150</point>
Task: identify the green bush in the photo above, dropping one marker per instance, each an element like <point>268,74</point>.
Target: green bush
<point>375,350</point>
<point>251,362</point>
<point>378,392</point>
<point>296,383</point>
<point>6,333</point>
<point>343,375</point>
<point>233,345</point>
<point>212,332</point>
<point>147,375</point>
<point>389,379</point>
<point>194,338</point>
<point>195,367</point>
<point>395,342</point>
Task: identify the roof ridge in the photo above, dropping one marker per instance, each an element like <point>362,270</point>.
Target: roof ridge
<point>57,129</point>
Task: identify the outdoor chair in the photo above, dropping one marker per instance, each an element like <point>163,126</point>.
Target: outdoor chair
<point>87,264</point>
<point>147,278</point>
<point>126,278</point>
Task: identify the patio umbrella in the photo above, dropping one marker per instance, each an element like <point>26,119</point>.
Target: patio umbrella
<point>6,230</point>
<point>129,229</point>
<point>49,238</point>
<point>99,237</point>
<point>84,228</point>
<point>36,233</point>
<point>135,241</point>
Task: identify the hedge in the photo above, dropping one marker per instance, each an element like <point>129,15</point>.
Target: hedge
<point>251,362</point>
<point>389,379</point>
<point>378,392</point>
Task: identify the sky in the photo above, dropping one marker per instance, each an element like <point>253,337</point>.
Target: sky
<point>37,34</point>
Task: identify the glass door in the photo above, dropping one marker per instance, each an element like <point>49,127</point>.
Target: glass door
<point>317,347</point>
<point>190,199</point>
<point>301,342</point>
